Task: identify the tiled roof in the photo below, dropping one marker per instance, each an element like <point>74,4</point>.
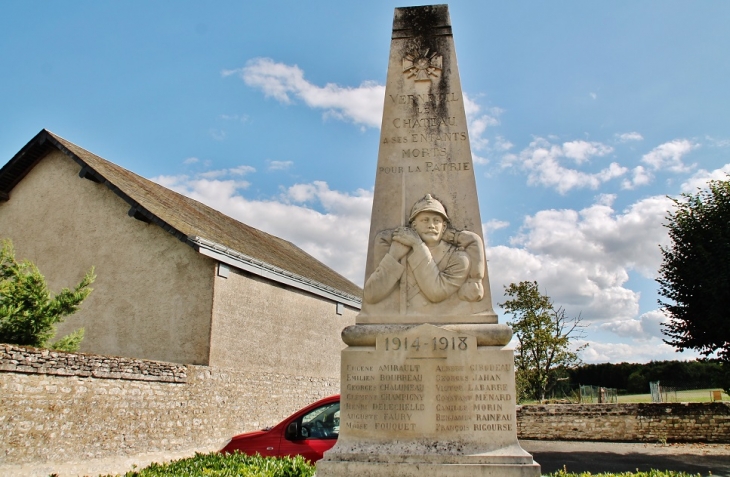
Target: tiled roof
<point>183,217</point>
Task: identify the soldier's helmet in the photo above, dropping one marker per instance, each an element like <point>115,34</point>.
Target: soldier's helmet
<point>428,204</point>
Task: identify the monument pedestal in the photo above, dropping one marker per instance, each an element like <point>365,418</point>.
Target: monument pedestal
<point>427,402</point>
<point>377,469</point>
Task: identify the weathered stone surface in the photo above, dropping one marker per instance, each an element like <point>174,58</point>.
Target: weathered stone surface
<point>71,415</point>
<point>639,422</point>
<point>427,384</point>
<point>433,391</point>
<point>486,335</point>
<point>430,399</point>
<point>425,164</point>
<point>42,361</point>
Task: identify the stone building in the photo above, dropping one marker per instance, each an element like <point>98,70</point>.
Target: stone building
<point>177,281</point>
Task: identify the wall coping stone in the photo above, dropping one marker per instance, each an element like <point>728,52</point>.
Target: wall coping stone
<point>29,360</point>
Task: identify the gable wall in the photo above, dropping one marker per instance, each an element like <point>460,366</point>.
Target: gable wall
<point>290,332</point>
<point>153,294</point>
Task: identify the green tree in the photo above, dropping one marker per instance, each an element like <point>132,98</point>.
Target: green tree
<point>694,276</point>
<point>544,334</point>
<point>28,310</point>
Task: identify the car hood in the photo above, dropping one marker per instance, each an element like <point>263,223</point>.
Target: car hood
<point>249,435</point>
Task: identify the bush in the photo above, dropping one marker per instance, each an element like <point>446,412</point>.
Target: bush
<point>28,311</point>
<point>242,465</point>
<point>228,465</point>
<point>651,473</point>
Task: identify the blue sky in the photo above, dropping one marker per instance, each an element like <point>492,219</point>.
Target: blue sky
<point>583,117</point>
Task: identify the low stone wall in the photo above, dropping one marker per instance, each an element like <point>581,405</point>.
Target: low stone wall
<point>641,422</point>
<point>43,361</point>
<point>59,407</point>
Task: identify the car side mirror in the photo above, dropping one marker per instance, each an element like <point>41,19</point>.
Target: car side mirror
<point>292,430</point>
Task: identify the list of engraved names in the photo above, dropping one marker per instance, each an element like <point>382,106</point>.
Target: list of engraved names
<point>425,385</point>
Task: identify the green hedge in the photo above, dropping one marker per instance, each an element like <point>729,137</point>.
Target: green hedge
<point>651,473</point>
<point>231,465</point>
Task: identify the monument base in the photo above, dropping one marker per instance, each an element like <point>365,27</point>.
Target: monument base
<point>420,469</point>
<point>427,401</point>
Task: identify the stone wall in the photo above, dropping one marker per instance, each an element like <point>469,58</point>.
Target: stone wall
<point>60,407</point>
<point>98,406</point>
<point>43,361</point>
<point>641,422</point>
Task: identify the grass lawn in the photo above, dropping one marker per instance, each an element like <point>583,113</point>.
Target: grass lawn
<point>694,395</point>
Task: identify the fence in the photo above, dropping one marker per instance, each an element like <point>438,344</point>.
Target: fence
<point>661,393</point>
<point>598,394</point>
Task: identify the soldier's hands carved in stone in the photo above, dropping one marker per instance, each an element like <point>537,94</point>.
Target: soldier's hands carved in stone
<point>398,250</point>
<point>407,236</point>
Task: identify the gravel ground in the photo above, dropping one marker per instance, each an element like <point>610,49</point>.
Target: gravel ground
<point>551,455</point>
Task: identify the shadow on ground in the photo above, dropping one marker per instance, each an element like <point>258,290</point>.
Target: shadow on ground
<point>596,462</point>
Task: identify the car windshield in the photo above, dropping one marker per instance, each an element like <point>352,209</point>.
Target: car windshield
<point>323,422</point>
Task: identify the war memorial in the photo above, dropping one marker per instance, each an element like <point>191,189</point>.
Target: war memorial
<point>427,378</point>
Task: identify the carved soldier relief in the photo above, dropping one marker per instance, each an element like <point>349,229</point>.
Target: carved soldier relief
<point>426,263</point>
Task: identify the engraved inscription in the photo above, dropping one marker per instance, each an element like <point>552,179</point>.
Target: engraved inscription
<point>412,123</point>
<point>427,166</point>
<point>424,98</point>
<point>425,381</point>
<point>424,152</point>
<point>426,137</point>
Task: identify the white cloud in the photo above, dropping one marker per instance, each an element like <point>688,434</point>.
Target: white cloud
<point>646,326</point>
<point>669,156</point>
<point>219,173</point>
<point>502,144</point>
<point>491,226</point>
<point>191,160</point>
<point>337,235</point>
<point>605,199</point>
<point>362,105</point>
<point>279,165</point>
<point>218,134</point>
<point>235,117</point>
<point>639,177</point>
<point>581,151</point>
<point>478,121</point>
<point>700,178</point>
<point>494,224</point>
<point>479,160</point>
<point>629,136</point>
<point>541,161</point>
<point>632,352</point>
<point>593,95</point>
<point>715,142</point>
<point>582,258</point>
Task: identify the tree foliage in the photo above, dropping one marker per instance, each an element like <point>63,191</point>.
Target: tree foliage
<point>544,334</point>
<point>28,310</point>
<point>634,378</point>
<point>695,273</point>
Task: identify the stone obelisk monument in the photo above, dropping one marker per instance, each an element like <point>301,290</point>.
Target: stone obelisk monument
<point>427,380</point>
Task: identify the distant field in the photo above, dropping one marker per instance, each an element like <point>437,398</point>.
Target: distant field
<point>694,395</point>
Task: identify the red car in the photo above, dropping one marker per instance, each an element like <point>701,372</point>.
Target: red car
<point>308,432</point>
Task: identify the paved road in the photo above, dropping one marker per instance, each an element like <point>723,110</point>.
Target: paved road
<point>624,457</point>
